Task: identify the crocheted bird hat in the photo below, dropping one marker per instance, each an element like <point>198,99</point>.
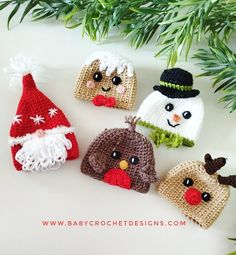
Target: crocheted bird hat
<point>196,189</point>
<point>121,157</point>
<point>107,80</point>
<point>174,111</point>
<point>41,137</point>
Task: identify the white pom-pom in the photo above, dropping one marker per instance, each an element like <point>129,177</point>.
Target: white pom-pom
<point>20,66</point>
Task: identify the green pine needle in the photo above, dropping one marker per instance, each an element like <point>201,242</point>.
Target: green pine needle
<point>220,63</point>
<point>174,24</point>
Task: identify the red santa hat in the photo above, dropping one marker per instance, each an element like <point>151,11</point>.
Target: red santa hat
<point>41,137</point>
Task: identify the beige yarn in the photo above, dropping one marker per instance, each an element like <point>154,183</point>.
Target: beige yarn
<point>125,101</point>
<point>173,189</point>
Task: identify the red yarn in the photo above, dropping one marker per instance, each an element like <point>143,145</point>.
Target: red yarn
<point>100,100</point>
<point>117,177</point>
<point>33,102</point>
<point>193,196</point>
<point>14,150</point>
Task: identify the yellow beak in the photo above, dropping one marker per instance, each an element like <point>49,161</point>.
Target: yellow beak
<point>123,164</point>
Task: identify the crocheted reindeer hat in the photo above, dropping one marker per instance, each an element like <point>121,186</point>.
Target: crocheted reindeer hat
<point>41,137</point>
<point>174,111</point>
<point>196,189</point>
<point>107,80</point>
<point>121,157</point>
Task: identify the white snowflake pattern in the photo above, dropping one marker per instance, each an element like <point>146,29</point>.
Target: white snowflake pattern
<point>38,119</point>
<point>52,112</point>
<point>17,119</point>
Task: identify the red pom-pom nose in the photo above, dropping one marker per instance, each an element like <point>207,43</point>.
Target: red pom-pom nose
<point>193,196</point>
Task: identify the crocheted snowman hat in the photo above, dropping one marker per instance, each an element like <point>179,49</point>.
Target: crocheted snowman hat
<point>121,157</point>
<point>41,137</point>
<point>196,189</point>
<point>173,111</point>
<point>107,80</point>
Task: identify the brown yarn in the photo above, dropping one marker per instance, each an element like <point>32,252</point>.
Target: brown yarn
<point>125,101</point>
<point>98,159</point>
<point>132,121</point>
<point>229,180</point>
<point>213,165</point>
<point>173,189</point>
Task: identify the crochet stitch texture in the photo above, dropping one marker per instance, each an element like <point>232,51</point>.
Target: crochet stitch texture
<point>109,76</point>
<point>201,195</point>
<point>121,157</point>
<point>173,112</point>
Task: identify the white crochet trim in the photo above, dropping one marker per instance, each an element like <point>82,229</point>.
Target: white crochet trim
<point>111,62</point>
<point>22,139</point>
<point>20,66</point>
<point>43,153</point>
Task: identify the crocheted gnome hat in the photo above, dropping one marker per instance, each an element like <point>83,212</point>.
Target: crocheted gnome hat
<point>173,111</point>
<point>107,80</point>
<point>196,189</point>
<point>41,137</point>
<point>121,157</point>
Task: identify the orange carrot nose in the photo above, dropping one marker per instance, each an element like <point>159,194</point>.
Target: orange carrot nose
<point>176,118</point>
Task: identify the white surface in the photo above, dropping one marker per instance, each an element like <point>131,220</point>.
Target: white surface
<point>27,199</point>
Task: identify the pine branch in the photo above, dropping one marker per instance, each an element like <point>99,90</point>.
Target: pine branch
<point>175,25</point>
<point>189,23</point>
<point>144,22</point>
<point>220,63</point>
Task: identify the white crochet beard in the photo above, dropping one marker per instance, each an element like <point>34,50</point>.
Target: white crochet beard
<point>43,153</point>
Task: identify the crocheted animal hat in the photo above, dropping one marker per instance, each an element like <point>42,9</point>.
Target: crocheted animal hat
<point>196,189</point>
<point>174,111</point>
<point>107,80</point>
<point>41,137</point>
<point>121,157</point>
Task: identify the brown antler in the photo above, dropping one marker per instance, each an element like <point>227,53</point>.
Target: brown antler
<point>213,165</point>
<point>132,121</point>
<point>229,180</point>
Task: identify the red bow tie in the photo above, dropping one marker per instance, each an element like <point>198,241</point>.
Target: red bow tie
<point>101,100</point>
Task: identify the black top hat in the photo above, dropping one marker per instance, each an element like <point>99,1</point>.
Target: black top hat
<point>176,83</point>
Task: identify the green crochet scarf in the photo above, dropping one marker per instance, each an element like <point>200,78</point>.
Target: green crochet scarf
<point>160,136</point>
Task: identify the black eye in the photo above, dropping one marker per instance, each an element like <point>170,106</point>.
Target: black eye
<point>134,160</point>
<point>188,182</point>
<point>187,115</point>
<point>97,76</point>
<point>116,154</point>
<point>116,80</point>
<point>169,107</point>
<point>206,196</point>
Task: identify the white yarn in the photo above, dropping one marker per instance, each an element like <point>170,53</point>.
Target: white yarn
<point>111,62</point>
<point>20,66</point>
<point>152,110</point>
<point>43,153</point>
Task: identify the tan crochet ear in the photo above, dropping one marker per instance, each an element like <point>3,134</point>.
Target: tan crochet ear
<point>132,121</point>
<point>213,165</point>
<point>229,180</point>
